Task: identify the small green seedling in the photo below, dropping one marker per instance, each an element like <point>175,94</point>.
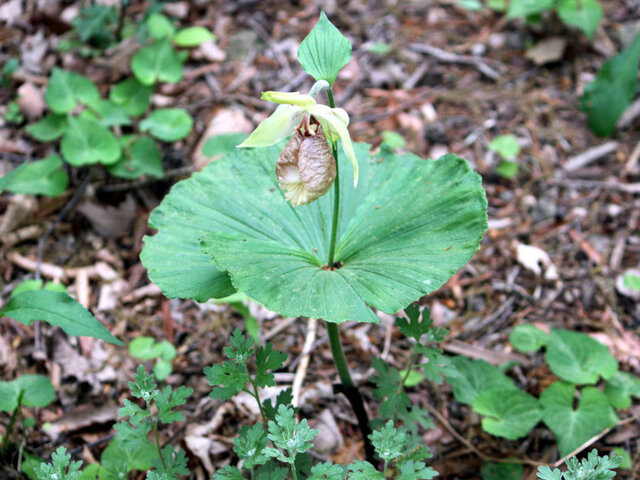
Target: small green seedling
<point>631,281</point>
<point>582,14</point>
<point>608,96</point>
<point>394,140</point>
<point>508,147</point>
<point>146,348</point>
<point>28,391</point>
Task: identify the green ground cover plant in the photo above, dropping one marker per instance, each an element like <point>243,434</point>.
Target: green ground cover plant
<point>108,131</point>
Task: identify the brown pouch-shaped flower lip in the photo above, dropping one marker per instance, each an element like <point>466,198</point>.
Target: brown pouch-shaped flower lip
<point>306,167</point>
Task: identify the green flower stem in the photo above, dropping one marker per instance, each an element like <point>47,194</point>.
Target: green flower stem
<point>336,193</point>
<point>12,421</point>
<point>293,472</point>
<point>255,395</point>
<point>157,439</point>
<point>348,386</point>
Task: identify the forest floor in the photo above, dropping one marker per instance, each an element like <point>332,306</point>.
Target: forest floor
<point>446,79</point>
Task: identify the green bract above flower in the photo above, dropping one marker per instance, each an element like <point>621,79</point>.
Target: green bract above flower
<point>289,114</point>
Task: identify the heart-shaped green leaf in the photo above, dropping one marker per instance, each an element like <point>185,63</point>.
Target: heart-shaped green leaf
<point>49,128</point>
<point>157,61</point>
<point>140,156</point>
<point>131,95</point>
<point>87,142</point>
<point>578,358</point>
<point>37,391</point>
<point>159,26</point>
<point>168,124</point>
<point>584,14</point>
<point>476,377</point>
<point>57,309</point>
<point>528,338</point>
<point>192,36</point>
<point>109,113</point>
<point>510,414</point>
<point>573,427</point>
<point>405,230</point>
<point>524,8</point>
<point>324,51</point>
<point>620,388</point>
<point>42,177</point>
<point>66,89</point>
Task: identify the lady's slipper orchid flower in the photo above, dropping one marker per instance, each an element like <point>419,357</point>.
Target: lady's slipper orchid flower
<point>288,116</point>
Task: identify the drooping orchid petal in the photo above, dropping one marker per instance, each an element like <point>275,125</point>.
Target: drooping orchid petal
<point>278,126</point>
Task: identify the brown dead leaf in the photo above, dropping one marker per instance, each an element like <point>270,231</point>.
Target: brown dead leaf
<point>109,221</point>
<point>547,51</point>
<point>31,101</point>
<point>226,120</point>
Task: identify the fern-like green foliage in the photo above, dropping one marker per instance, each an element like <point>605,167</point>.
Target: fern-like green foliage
<point>159,408</point>
<point>593,467</point>
<point>60,468</point>
<point>233,376</point>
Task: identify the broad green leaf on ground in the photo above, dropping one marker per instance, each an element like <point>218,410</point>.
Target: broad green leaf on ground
<point>524,8</point>
<point>324,51</point>
<point>507,146</point>
<point>41,177</point>
<point>132,96</point>
<point>86,142</point>
<point>222,144</point>
<point>157,62</point>
<point>66,89</point>
<point>57,309</point>
<point>48,129</point>
<point>501,471</point>
<point>109,113</point>
<point>510,414</point>
<point>140,156</point>
<point>33,284</point>
<point>147,348</point>
<point>159,26</point>
<point>275,253</point>
<point>572,427</point>
<point>578,358</point>
<point>631,281</point>
<point>620,388</point>
<point>168,124</point>
<point>528,338</point>
<point>476,377</point>
<point>507,169</point>
<point>192,36</point>
<point>584,14</point>
<point>608,96</point>
<point>37,391</point>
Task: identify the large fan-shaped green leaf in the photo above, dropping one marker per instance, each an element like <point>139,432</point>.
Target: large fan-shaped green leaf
<point>404,231</point>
